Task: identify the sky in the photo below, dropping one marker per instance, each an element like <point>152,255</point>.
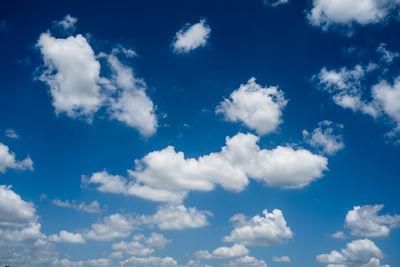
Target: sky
<point>200,133</point>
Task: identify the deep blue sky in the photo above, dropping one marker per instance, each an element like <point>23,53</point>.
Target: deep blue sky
<point>276,45</point>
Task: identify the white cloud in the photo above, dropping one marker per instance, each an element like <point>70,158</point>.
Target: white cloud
<point>275,3</point>
<point>259,108</point>
<point>339,235</point>
<point>364,221</point>
<point>92,207</point>
<point>10,133</point>
<point>101,262</point>
<point>260,231</point>
<point>361,252</point>
<point>8,161</point>
<point>140,245</point>
<point>68,22</point>
<point>281,259</point>
<point>73,74</point>
<point>386,55</point>
<point>247,261</point>
<point>167,176</point>
<point>171,217</point>
<point>113,227</point>
<point>67,237</point>
<point>191,37</point>
<point>14,211</point>
<point>329,14</point>
<point>223,252</point>
<point>149,262</point>
<point>327,137</point>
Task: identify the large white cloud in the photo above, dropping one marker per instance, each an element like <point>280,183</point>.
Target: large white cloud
<point>67,237</point>
<point>364,221</point>
<point>167,176</point>
<point>223,252</point>
<point>113,227</point>
<point>327,137</point>
<point>259,108</point>
<point>329,14</point>
<point>260,230</point>
<point>362,252</point>
<point>141,245</point>
<point>191,37</point>
<point>8,160</point>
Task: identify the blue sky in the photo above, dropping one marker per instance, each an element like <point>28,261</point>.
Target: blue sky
<point>200,133</point>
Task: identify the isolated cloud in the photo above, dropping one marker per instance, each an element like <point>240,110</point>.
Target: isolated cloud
<point>223,252</point>
<point>327,137</point>
<point>10,133</point>
<point>92,207</point>
<point>8,160</point>
<point>275,3</point>
<point>149,262</point>
<point>171,217</point>
<point>281,259</point>
<point>68,22</point>
<point>259,108</point>
<point>339,235</point>
<point>141,245</point>
<point>67,237</point>
<point>331,14</point>
<point>167,176</point>
<point>364,221</point>
<point>361,253</point>
<point>191,37</point>
<point>387,56</point>
<point>113,227</point>
<point>260,231</point>
<point>246,261</point>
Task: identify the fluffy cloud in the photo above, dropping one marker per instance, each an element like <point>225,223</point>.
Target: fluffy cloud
<point>329,14</point>
<point>140,245</point>
<point>8,161</point>
<point>259,108</point>
<point>361,252</point>
<point>149,262</point>
<point>113,227</point>
<point>10,133</point>
<point>67,237</point>
<point>171,217</point>
<point>364,221</point>
<point>327,137</point>
<point>260,231</point>
<point>191,37</point>
<point>101,262</point>
<point>223,252</point>
<point>247,261</point>
<point>281,259</point>
<point>339,235</point>
<point>167,176</point>
<point>92,207</point>
<point>72,71</point>
<point>68,22</point>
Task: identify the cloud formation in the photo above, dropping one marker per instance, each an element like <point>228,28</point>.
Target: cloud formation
<point>191,37</point>
<point>8,160</point>
<point>223,252</point>
<point>67,237</point>
<point>327,138</point>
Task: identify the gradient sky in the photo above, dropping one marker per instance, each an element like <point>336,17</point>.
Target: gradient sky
<point>200,133</point>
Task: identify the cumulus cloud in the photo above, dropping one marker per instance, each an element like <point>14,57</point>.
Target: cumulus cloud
<point>327,137</point>
<point>67,23</point>
<point>223,252</point>
<point>67,237</point>
<point>141,245</point>
<point>8,160</point>
<point>177,217</point>
<point>362,252</point>
<point>167,176</point>
<point>281,259</point>
<point>331,14</point>
<point>92,207</point>
<point>260,230</point>
<point>259,108</point>
<point>191,37</point>
<point>72,72</point>
<point>246,261</point>
<point>112,227</point>
<point>149,262</point>
<point>364,221</point>
<point>339,235</point>
<point>10,133</point>
<point>101,262</point>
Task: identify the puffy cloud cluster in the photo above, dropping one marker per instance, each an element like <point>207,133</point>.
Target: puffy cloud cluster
<point>331,14</point>
<point>191,37</point>
<point>247,261</point>
<point>140,245</point>
<point>67,237</point>
<point>362,252</point>
<point>92,207</point>
<point>259,108</point>
<point>364,221</point>
<point>327,137</point>
<point>101,262</point>
<point>260,230</point>
<point>223,252</point>
<point>168,176</point>
<point>72,71</point>
<point>112,227</point>
<point>149,262</point>
<point>8,160</point>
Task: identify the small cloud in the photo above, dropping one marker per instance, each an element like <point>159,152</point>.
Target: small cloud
<point>10,133</point>
<point>68,23</point>
<point>191,37</point>
<point>281,259</point>
<point>339,235</point>
<point>275,3</point>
